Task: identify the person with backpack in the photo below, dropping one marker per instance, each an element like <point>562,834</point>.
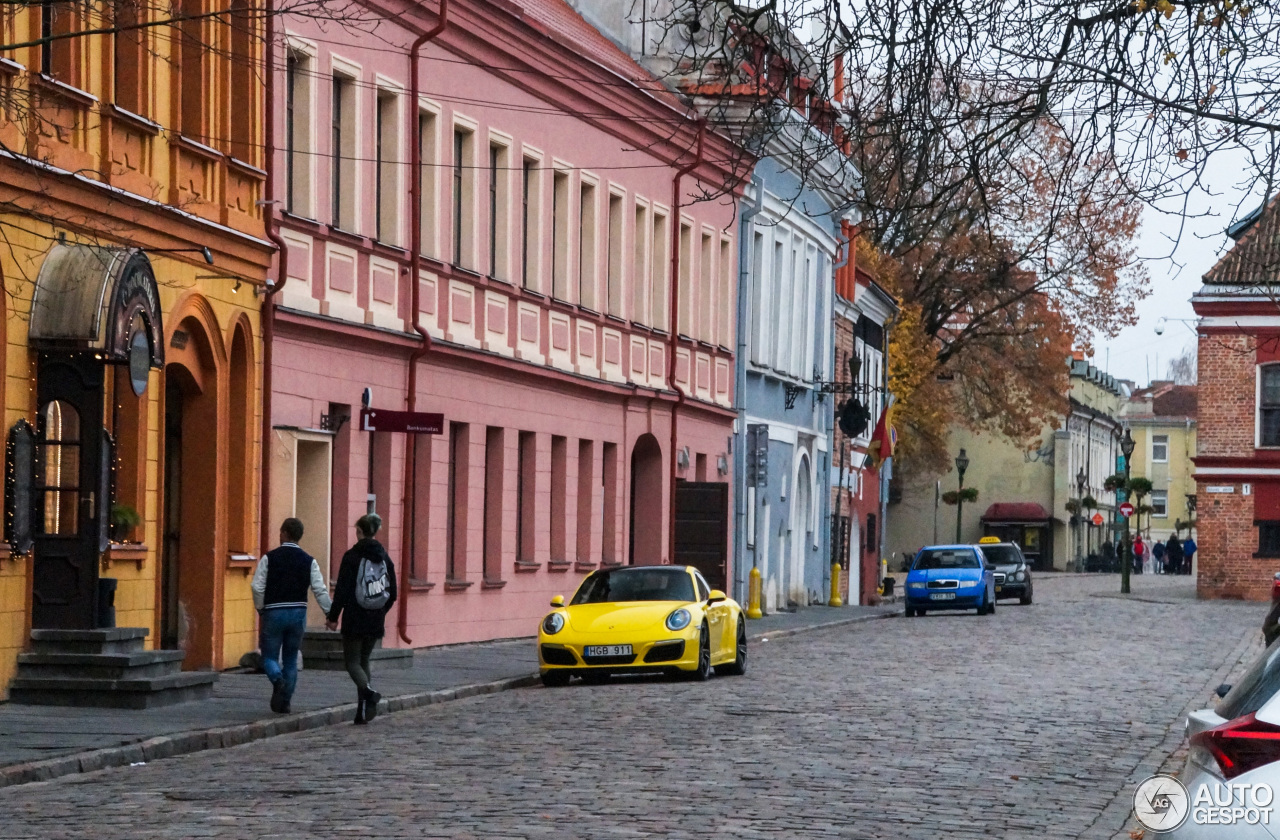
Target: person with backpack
<point>365,592</point>
<point>279,588</point>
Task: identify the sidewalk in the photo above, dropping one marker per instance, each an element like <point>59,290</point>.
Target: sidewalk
<point>44,742</point>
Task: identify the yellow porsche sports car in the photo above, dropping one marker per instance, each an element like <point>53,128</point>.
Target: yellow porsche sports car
<point>639,619</point>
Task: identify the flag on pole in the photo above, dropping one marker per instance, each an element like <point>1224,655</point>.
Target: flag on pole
<point>883,440</point>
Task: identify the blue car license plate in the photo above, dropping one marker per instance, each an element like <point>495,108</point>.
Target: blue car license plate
<point>943,596</point>
<point>607,650</point>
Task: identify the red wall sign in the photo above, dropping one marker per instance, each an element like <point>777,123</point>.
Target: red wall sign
<point>412,422</point>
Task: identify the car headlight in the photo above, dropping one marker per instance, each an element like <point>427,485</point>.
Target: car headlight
<point>1021,575</point>
<point>679,619</point>
<point>966,583</point>
<point>917,584</point>
<point>553,623</point>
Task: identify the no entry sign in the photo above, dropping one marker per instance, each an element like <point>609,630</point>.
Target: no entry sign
<point>1097,519</point>
<point>1126,510</point>
<point>413,422</point>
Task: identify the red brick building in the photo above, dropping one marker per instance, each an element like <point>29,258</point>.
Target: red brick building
<point>1238,452</point>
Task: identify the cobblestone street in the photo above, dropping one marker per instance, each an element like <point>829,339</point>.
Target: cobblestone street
<point>1034,722</point>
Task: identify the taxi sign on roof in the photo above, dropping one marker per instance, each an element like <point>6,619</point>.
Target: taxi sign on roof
<point>988,540</point>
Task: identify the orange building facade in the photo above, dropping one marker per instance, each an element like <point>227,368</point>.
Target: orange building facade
<point>133,259</point>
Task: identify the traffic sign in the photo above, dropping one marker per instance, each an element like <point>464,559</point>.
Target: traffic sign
<point>1097,519</point>
<point>413,422</point>
<point>1126,510</point>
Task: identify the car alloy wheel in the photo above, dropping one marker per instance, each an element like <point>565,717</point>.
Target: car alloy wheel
<point>738,666</point>
<point>1025,600</point>
<point>555,679</point>
<point>704,656</point>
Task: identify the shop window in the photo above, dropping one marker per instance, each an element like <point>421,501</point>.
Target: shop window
<point>1268,538</point>
<point>1269,406</point>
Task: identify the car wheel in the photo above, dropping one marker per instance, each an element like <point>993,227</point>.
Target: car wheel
<point>909,612</point>
<point>920,611</point>
<point>1025,600</point>
<point>704,656</point>
<point>555,679</point>
<point>738,666</point>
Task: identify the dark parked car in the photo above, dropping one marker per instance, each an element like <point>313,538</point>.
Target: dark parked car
<point>1013,575</point>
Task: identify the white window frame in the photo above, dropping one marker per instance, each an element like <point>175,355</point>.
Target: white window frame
<point>1163,495</point>
<point>1155,443</point>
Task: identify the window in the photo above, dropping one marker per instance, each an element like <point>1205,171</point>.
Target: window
<point>494,458</point>
<point>387,160</point>
<point>428,186</point>
<point>342,154</point>
<point>1159,448</point>
<point>530,206</point>
<point>463,198</point>
<point>780,286</point>
<point>758,331</point>
<point>1160,504</point>
<point>58,469</point>
<point>587,268</point>
<point>558,518</point>
<point>640,266</point>
<point>684,286</point>
<point>726,301</point>
<point>132,58</point>
<point>703,300</point>
<point>1268,538</point>
<point>295,130</point>
<point>499,212</point>
<point>609,510</point>
<point>60,58</point>
<point>1269,406</point>
<point>613,293</point>
<point>239,83</point>
<point>526,488</point>
<point>873,536</point>
<point>560,236</point>
<point>459,461</point>
<point>192,70</point>
<point>659,271</point>
<point>586,498</point>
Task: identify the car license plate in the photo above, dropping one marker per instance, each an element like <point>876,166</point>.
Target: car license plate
<point>943,596</point>
<point>998,588</point>
<point>607,650</point>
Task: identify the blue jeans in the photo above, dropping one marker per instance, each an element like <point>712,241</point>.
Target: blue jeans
<point>279,638</point>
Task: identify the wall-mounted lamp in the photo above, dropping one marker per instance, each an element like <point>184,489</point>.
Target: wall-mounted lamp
<point>722,465</point>
<point>203,251</point>
<point>682,458</point>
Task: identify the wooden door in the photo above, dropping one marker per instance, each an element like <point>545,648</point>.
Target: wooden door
<point>702,529</point>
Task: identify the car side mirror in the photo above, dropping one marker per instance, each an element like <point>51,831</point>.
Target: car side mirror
<point>716,597</point>
<point>557,601</point>
<point>1222,690</point>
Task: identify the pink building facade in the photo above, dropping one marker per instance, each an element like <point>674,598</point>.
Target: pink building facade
<point>551,169</point>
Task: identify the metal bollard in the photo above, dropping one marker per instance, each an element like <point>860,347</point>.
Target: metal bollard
<point>835,601</point>
<point>753,595</point>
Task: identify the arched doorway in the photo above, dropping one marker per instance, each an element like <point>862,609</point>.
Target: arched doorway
<point>801,519</point>
<point>646,502</point>
<point>191,570</point>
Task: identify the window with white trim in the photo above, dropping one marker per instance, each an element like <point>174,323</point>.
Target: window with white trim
<point>1160,504</point>
<point>1269,405</point>
<point>1159,449</point>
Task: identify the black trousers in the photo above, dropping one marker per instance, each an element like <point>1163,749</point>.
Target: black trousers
<point>356,651</point>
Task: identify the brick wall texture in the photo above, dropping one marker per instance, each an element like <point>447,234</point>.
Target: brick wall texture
<point>1227,537</point>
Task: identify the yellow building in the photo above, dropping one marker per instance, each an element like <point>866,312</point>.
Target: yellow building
<point>1023,491</point>
<point>132,254</point>
<point>1163,422</point>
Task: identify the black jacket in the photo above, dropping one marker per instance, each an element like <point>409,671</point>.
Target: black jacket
<point>356,620</point>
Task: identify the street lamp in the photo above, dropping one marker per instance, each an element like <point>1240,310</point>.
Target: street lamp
<point>1126,564</point>
<point>1081,478</point>
<point>962,464</point>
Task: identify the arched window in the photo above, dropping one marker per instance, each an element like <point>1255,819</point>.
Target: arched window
<point>1269,405</point>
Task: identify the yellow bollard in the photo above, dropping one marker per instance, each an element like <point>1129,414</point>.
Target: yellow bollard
<point>835,601</point>
<point>753,595</point>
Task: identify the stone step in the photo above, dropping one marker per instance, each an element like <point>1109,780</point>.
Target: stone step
<point>112,640</point>
<point>145,693</point>
<point>108,666</point>
<point>320,653</point>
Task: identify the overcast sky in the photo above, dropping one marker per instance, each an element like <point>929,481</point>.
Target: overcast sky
<point>1137,350</point>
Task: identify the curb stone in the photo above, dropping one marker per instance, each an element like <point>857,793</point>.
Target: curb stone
<point>186,743</point>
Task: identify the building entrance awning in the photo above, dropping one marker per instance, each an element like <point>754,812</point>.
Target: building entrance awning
<point>1016,513</point>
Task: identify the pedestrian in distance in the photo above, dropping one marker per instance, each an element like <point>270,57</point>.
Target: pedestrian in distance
<point>1188,553</point>
<point>1139,554</point>
<point>365,592</point>
<point>279,587</point>
<point>1173,554</point>
<point>1157,558</point>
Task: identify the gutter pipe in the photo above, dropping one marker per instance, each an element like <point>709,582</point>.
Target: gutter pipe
<point>415,257</point>
<point>745,228</point>
<point>674,328</point>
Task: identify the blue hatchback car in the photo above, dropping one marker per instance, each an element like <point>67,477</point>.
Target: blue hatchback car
<point>950,577</point>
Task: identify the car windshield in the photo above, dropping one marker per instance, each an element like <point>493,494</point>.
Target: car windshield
<point>1002,555</point>
<point>947,558</point>
<point>1255,688</point>
<point>635,585</point>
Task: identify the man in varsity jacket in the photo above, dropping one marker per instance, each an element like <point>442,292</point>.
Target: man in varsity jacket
<point>280,586</point>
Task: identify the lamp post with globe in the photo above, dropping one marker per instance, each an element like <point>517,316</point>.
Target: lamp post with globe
<point>1126,563</point>
<point>962,464</point>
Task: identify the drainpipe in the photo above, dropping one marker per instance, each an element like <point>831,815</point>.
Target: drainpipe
<point>415,251</point>
<point>675,326</point>
<point>282,276</point>
<point>740,384</point>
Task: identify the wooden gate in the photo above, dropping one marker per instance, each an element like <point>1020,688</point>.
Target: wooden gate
<point>702,529</point>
